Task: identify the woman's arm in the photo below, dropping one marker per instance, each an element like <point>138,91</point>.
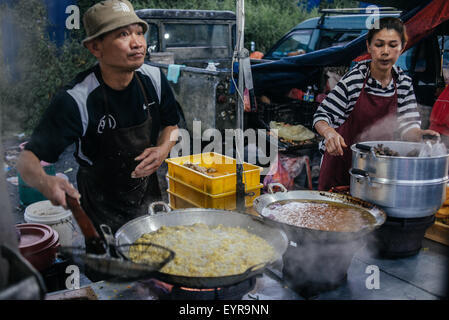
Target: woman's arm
<point>332,110</point>
<point>333,141</point>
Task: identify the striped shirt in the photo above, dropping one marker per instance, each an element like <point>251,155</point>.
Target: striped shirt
<point>340,102</point>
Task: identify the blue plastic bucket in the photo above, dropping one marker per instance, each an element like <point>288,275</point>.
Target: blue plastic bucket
<point>28,195</point>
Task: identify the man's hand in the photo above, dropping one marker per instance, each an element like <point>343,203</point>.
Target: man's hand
<point>55,188</point>
<point>334,142</point>
<point>151,158</point>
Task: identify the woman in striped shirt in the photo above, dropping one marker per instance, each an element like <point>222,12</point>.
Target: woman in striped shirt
<point>373,101</point>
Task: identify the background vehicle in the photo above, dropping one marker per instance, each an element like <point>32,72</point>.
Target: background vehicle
<point>325,31</point>
<point>185,42</point>
<point>423,60</point>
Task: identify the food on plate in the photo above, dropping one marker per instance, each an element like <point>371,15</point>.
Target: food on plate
<point>205,251</point>
<point>319,215</point>
<point>292,132</point>
<point>204,170</point>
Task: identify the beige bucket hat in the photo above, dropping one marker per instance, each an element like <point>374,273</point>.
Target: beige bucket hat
<point>109,15</point>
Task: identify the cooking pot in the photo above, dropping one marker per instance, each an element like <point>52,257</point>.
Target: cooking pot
<point>316,260</point>
<point>134,229</point>
<point>300,234</point>
<point>405,187</point>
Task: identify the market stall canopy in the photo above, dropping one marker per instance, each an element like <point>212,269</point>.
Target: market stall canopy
<point>278,77</point>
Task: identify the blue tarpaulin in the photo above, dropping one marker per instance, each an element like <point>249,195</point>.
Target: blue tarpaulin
<point>57,17</point>
<point>56,12</point>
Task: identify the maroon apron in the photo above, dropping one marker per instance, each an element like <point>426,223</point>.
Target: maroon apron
<point>370,111</point>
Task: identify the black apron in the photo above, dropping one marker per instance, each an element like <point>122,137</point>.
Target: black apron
<point>108,193</point>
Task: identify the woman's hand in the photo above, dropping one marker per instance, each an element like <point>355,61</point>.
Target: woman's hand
<point>429,132</point>
<point>334,142</point>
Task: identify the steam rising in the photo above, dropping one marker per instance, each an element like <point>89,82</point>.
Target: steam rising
<point>319,263</point>
<point>380,129</point>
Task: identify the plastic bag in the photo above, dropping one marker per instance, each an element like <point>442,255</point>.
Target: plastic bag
<point>284,170</point>
<point>278,174</point>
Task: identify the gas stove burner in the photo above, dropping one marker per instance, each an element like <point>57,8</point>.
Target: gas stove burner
<point>165,291</point>
<point>310,289</point>
<point>399,237</point>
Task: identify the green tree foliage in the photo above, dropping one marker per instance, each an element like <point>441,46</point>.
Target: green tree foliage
<point>44,68</point>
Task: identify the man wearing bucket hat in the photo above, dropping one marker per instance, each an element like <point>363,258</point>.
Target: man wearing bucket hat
<point>122,116</point>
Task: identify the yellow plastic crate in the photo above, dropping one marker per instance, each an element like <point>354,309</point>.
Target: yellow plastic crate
<point>182,195</point>
<point>224,180</point>
<point>176,202</point>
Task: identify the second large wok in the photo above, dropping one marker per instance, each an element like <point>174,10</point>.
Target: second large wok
<point>134,229</point>
<point>300,234</point>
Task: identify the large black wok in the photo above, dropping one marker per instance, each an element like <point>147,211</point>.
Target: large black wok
<point>134,229</point>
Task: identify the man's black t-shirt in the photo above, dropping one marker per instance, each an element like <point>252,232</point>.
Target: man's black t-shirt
<point>77,114</point>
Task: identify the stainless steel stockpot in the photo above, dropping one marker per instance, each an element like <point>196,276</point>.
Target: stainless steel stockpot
<point>405,187</point>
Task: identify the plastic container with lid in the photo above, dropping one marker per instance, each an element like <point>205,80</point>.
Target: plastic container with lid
<point>56,217</point>
<point>39,244</point>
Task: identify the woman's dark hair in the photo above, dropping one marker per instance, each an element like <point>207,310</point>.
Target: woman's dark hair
<point>389,23</point>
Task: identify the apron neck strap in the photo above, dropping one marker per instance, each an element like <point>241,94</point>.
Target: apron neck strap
<point>142,89</point>
<point>368,74</point>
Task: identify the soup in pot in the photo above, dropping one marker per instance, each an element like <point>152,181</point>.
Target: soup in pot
<point>319,215</point>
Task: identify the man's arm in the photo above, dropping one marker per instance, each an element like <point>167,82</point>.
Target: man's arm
<point>153,157</point>
<point>52,187</point>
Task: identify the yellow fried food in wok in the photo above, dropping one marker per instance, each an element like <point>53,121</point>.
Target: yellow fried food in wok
<point>205,251</point>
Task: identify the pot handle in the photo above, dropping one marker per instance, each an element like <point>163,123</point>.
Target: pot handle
<point>110,240</point>
<point>93,240</point>
<point>280,185</point>
<point>431,137</point>
<point>151,210</point>
<point>358,173</point>
<point>363,147</point>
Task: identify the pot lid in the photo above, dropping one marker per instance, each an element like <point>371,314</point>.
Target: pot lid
<point>45,212</point>
<point>34,237</point>
<point>51,245</point>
